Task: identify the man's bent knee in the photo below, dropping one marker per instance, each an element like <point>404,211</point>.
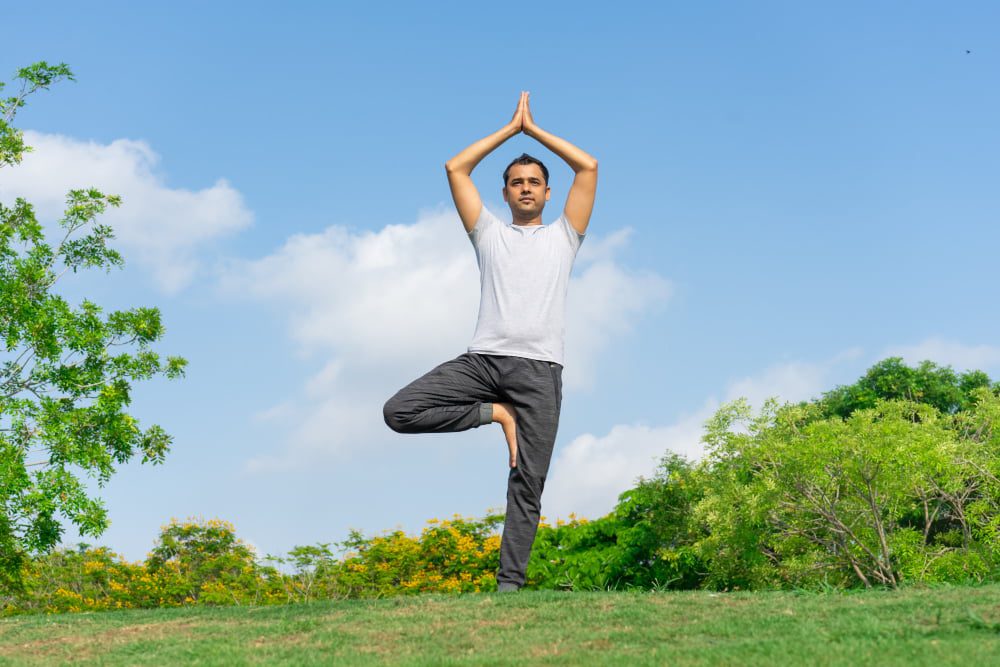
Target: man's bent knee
<point>393,414</point>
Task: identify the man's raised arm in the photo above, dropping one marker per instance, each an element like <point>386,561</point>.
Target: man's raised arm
<point>580,200</point>
<point>460,167</point>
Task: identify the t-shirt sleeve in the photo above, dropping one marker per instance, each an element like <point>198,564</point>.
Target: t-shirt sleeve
<point>486,222</point>
<point>574,237</point>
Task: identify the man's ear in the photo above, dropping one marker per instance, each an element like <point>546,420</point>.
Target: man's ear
<point>548,193</point>
<point>505,193</point>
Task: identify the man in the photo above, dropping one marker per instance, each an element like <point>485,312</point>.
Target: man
<point>512,372</point>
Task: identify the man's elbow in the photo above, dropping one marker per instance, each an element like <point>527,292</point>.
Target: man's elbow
<point>590,165</point>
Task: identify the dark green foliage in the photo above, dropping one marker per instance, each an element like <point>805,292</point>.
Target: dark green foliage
<point>646,542</point>
<point>892,479</point>
<point>892,379</point>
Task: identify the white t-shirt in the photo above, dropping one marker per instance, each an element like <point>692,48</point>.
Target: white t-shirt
<point>524,274</point>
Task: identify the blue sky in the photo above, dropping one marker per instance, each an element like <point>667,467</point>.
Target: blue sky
<point>788,193</point>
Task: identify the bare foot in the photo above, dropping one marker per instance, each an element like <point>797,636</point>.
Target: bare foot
<point>503,413</point>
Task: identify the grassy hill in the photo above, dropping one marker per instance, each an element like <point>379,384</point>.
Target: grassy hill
<point>942,626</point>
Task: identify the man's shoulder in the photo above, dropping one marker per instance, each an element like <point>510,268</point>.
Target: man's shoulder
<point>484,222</point>
<point>490,218</point>
<point>566,230</point>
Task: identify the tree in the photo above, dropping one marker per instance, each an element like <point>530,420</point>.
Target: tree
<point>204,560</point>
<point>66,372</point>
<point>900,491</point>
<point>891,379</point>
<point>893,478</point>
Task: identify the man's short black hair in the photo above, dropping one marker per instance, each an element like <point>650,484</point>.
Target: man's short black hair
<point>526,159</point>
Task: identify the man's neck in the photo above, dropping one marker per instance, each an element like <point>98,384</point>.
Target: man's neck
<point>528,222</point>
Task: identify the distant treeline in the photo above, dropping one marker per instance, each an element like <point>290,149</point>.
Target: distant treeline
<point>890,480</point>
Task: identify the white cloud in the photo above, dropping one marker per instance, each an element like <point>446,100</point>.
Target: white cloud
<point>603,303</point>
<point>161,227</point>
<point>790,381</point>
<point>589,473</point>
<point>278,412</point>
<point>379,308</point>
<point>406,294</point>
<point>948,353</point>
<point>596,248</point>
<point>605,299</point>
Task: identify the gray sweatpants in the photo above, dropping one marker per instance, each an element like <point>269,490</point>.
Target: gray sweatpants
<point>459,395</point>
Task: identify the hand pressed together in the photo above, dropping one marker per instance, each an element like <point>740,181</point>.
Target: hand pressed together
<point>522,120</point>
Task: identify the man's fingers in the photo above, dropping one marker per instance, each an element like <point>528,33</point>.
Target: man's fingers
<point>522,110</point>
<point>518,117</point>
<point>518,114</point>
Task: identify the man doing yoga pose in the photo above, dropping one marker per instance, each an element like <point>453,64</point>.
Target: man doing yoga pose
<point>512,372</point>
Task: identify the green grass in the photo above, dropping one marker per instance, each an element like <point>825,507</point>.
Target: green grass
<point>941,626</point>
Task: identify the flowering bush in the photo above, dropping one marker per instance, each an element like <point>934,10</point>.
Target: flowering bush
<point>193,562</point>
<point>459,555</point>
<point>198,562</point>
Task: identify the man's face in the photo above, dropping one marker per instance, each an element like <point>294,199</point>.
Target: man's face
<point>526,191</point>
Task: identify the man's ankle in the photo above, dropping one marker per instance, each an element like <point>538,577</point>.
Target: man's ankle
<point>485,414</point>
<point>507,587</point>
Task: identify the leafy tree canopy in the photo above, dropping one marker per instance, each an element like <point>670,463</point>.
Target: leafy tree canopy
<point>891,379</point>
<point>66,371</point>
<point>892,478</point>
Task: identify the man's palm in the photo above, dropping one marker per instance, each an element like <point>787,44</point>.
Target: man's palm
<point>527,122</point>
<point>520,112</point>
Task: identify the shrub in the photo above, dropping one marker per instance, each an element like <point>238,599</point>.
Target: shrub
<point>646,542</point>
<point>460,555</point>
<point>899,491</point>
